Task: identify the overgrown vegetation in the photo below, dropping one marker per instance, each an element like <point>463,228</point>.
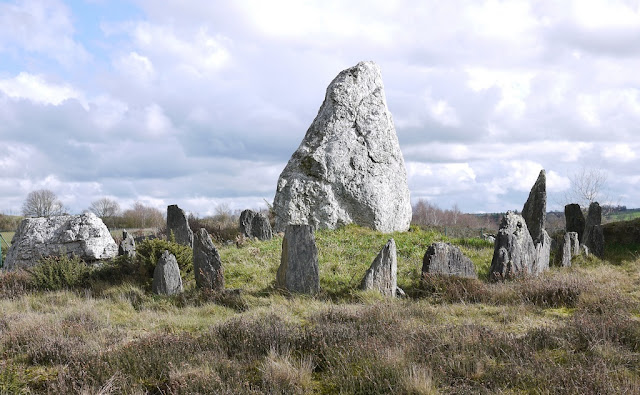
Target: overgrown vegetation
<point>572,330</point>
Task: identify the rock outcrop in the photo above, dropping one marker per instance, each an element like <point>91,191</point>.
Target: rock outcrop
<point>514,253</point>
<point>207,265</point>
<point>382,276</point>
<point>534,213</point>
<point>446,259</point>
<point>593,236</point>
<point>349,167</point>
<point>178,225</point>
<point>298,271</point>
<point>127,245</point>
<point>85,236</point>
<point>574,219</point>
<point>166,276</point>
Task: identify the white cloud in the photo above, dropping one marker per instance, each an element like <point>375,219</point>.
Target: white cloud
<point>138,67</point>
<point>619,152</point>
<point>156,121</point>
<point>515,87</point>
<point>35,88</point>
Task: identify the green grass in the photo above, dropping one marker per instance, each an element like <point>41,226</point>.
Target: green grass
<point>622,216</point>
<point>572,330</point>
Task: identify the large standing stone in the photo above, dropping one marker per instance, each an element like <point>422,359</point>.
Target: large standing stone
<point>534,211</point>
<point>127,245</point>
<point>246,218</point>
<point>298,271</point>
<point>206,262</point>
<point>166,276</point>
<point>593,235</point>
<point>260,227</point>
<point>178,224</point>
<point>574,219</point>
<point>349,167</point>
<point>444,258</point>
<point>514,253</point>
<point>85,236</point>
<point>382,276</point>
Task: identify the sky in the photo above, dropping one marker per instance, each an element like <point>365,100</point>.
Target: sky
<point>202,103</point>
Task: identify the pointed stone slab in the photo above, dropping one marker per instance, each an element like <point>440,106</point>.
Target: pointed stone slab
<point>298,271</point>
<point>349,167</point>
<point>207,265</point>
<point>382,276</point>
<point>178,224</point>
<point>534,211</point>
<point>166,276</point>
<point>446,259</point>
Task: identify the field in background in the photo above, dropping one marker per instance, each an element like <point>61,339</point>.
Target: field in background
<point>573,330</point>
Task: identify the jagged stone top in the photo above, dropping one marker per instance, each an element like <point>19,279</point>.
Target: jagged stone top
<point>534,211</point>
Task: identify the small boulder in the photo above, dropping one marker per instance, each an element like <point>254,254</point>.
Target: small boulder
<point>166,276</point>
<point>574,219</point>
<point>178,225</point>
<point>127,245</point>
<point>298,271</point>
<point>383,273</point>
<point>444,258</point>
<point>246,218</point>
<point>514,253</point>
<point>207,265</point>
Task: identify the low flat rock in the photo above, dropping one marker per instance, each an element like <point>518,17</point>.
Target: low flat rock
<point>178,225</point>
<point>298,271</point>
<point>166,276</point>
<point>382,276</point>
<point>85,236</point>
<point>446,259</point>
<point>207,265</point>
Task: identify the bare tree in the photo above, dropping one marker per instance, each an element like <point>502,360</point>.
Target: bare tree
<point>42,203</point>
<point>105,208</point>
<point>141,216</point>
<point>588,185</point>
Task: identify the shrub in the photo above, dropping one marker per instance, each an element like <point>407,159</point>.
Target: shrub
<point>53,273</point>
<point>14,284</point>
<point>149,251</point>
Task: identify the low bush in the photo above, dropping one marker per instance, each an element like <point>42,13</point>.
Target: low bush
<point>149,251</point>
<point>14,284</point>
<point>54,273</point>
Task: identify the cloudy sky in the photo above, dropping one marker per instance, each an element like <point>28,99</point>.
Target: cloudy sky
<point>201,103</point>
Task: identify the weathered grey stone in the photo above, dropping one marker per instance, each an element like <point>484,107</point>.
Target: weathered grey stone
<point>593,235</point>
<point>85,236</point>
<point>246,218</point>
<point>127,245</point>
<point>543,254</point>
<point>349,167</point>
<point>207,265</point>
<point>534,211</point>
<point>514,253</point>
<point>298,271</point>
<point>260,227</point>
<point>565,252</point>
<point>382,276</point>
<point>166,276</point>
<point>178,224</point>
<point>574,243</point>
<point>584,250</point>
<point>444,258</point>
<point>574,219</point>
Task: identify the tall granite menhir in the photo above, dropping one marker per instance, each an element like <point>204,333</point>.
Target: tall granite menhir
<point>534,213</point>
<point>207,265</point>
<point>349,167</point>
<point>178,224</point>
<point>514,253</point>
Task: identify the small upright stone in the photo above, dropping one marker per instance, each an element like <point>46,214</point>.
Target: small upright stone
<point>127,245</point>
<point>166,276</point>
<point>446,259</point>
<point>178,224</point>
<point>298,271</point>
<point>246,218</point>
<point>574,219</point>
<point>382,276</point>
<point>566,252</point>
<point>260,227</point>
<point>575,243</point>
<point>206,262</point>
<point>593,235</point>
<point>514,253</point>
